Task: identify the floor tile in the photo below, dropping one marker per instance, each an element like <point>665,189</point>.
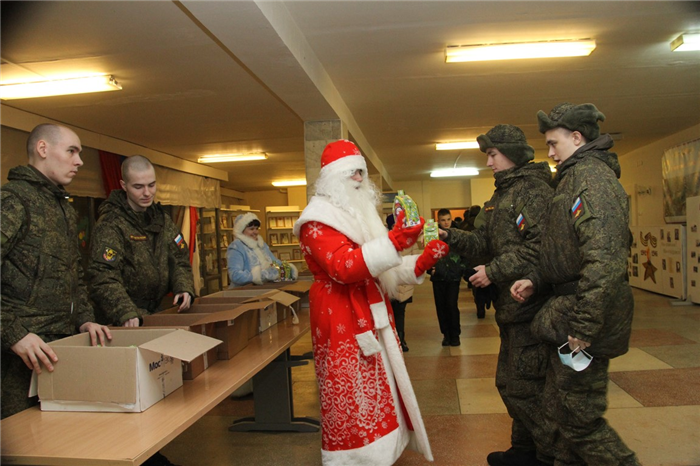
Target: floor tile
<point>471,346</point>
<point>618,398</point>
<point>670,387</point>
<point>479,396</point>
<point>656,337</point>
<point>454,367</point>
<point>678,356</point>
<point>637,360</point>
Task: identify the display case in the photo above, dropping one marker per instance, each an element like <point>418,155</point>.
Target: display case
<point>280,235</point>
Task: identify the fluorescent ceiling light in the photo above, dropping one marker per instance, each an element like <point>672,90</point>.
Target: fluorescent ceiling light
<point>284,183</point>
<point>515,51</point>
<point>457,145</point>
<point>686,42</point>
<point>454,172</point>
<point>231,157</point>
<point>59,87</point>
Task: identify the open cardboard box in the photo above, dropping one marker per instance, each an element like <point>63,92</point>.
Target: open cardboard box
<point>234,322</point>
<point>299,288</point>
<point>282,300</point>
<point>191,322</point>
<point>132,372</point>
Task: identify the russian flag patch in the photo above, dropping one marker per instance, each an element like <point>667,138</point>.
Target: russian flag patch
<point>577,208</point>
<point>520,222</point>
<point>180,241</point>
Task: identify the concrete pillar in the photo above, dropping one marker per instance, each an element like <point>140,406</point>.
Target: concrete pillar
<point>317,135</point>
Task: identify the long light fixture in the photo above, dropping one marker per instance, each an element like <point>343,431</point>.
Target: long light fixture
<point>286,183</point>
<point>457,145</point>
<point>515,51</point>
<point>465,171</point>
<point>686,42</point>
<point>217,158</point>
<point>55,87</point>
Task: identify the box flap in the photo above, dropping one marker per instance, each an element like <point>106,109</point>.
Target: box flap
<point>260,304</point>
<point>181,344</point>
<point>281,297</point>
<point>299,287</point>
<point>222,316</point>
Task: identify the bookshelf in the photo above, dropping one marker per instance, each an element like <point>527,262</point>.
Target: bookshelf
<point>280,236</point>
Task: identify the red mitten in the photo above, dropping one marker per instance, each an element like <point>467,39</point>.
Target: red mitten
<point>433,252</point>
<point>403,237</point>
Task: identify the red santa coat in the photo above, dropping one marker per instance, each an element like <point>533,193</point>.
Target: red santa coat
<point>369,412</point>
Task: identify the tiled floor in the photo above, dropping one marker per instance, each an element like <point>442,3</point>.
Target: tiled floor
<point>654,395</point>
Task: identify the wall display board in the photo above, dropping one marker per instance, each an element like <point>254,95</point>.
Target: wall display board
<point>693,249</point>
<point>657,260</point>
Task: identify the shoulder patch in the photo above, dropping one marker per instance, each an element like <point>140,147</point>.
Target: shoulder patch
<point>521,222</point>
<point>109,255</point>
<point>180,241</point>
<point>138,237</point>
<point>578,209</point>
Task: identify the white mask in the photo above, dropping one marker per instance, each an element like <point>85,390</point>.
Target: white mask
<point>577,360</point>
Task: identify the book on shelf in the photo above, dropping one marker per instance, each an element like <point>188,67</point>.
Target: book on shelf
<point>284,238</point>
<point>285,256</point>
<point>296,254</point>
<point>274,239</point>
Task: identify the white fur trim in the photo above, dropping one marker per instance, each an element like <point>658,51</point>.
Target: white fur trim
<point>321,210</point>
<point>380,255</point>
<point>382,452</point>
<point>240,223</point>
<point>407,271</point>
<point>380,314</point>
<point>295,272</point>
<point>257,275</point>
<point>368,343</point>
<point>349,162</point>
<point>403,384</point>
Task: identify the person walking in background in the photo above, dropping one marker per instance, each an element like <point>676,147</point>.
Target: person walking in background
<point>248,256</point>
<point>369,411</point>
<point>446,277</point>
<point>583,259</point>
<point>44,297</point>
<point>509,240</point>
<point>404,294</point>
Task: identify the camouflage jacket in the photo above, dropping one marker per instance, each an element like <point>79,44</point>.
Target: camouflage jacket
<point>136,258</point>
<point>586,237</point>
<point>508,237</point>
<point>42,287</point>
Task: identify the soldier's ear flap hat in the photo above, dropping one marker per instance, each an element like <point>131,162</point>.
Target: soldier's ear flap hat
<point>242,221</point>
<point>582,118</point>
<point>510,141</point>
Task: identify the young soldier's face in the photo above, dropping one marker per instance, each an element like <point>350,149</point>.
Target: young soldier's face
<point>445,221</point>
<point>496,161</point>
<point>61,157</point>
<point>140,188</point>
<point>562,143</point>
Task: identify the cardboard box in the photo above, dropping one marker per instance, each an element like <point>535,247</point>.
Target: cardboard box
<point>267,319</point>
<point>234,323</point>
<point>299,288</point>
<point>135,370</point>
<point>191,322</point>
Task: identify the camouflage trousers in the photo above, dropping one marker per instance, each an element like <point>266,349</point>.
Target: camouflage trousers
<point>16,378</point>
<point>520,379</point>
<point>576,403</point>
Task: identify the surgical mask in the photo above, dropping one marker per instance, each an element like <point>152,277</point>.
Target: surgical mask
<point>578,360</point>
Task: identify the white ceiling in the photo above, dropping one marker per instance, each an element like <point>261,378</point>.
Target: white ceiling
<point>205,77</point>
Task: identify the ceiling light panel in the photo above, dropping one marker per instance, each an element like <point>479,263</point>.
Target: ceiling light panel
<point>56,87</point>
<point>517,51</point>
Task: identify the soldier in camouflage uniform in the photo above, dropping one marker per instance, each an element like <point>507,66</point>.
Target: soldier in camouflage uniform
<point>43,294</point>
<point>583,258</point>
<point>508,235</point>
<point>138,255</point>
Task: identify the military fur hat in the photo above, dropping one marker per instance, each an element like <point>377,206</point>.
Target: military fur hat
<point>582,118</point>
<point>510,141</point>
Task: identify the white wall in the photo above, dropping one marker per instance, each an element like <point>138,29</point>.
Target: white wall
<point>641,169</point>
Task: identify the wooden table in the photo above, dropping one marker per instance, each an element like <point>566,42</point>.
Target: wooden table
<point>33,437</point>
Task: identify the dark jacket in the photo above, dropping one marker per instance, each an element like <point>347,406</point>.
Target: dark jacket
<point>586,240</point>
<point>450,268</point>
<point>508,238</point>
<point>136,259</point>
<point>42,287</point>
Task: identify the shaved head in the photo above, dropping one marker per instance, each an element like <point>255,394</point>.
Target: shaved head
<point>133,164</point>
<point>47,132</point>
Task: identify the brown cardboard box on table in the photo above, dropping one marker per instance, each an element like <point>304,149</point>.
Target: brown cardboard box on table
<point>299,288</point>
<point>196,323</point>
<point>234,322</point>
<point>135,370</point>
<point>268,316</point>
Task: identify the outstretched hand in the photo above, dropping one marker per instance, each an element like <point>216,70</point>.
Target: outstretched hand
<point>402,236</point>
<point>433,252</point>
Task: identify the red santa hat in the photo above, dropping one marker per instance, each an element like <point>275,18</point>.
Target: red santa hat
<point>341,156</point>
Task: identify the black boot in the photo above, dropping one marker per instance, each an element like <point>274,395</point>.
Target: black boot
<point>514,457</point>
<point>481,312</point>
<point>402,338</point>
